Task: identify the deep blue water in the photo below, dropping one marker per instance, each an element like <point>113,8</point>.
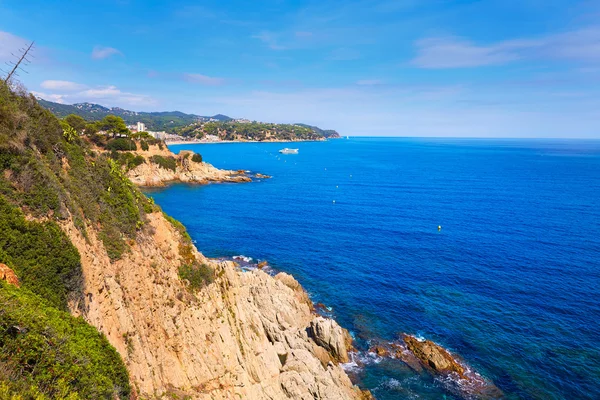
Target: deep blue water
<point>511,282</point>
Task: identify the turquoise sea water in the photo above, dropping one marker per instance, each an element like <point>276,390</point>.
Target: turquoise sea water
<point>511,283</point>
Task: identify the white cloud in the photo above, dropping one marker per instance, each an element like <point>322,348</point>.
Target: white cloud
<point>100,52</point>
<point>57,98</point>
<point>62,85</point>
<point>10,43</point>
<point>110,96</point>
<point>204,79</point>
<point>451,52</point>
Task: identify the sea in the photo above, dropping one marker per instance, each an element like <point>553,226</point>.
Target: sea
<point>488,247</point>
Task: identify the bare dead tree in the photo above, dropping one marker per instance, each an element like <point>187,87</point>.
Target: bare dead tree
<point>22,61</point>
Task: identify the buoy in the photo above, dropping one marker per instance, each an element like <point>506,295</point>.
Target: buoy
<point>336,186</point>
<point>334,201</point>
<point>439,227</point>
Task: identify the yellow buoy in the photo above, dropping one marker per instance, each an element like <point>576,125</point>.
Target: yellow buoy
<point>439,227</point>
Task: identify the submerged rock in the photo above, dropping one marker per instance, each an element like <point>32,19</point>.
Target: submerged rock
<point>440,362</point>
<point>433,356</point>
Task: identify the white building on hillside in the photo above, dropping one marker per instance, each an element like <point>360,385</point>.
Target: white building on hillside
<point>141,127</point>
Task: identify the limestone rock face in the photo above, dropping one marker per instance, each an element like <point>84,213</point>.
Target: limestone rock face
<point>242,337</point>
<point>329,335</point>
<point>8,275</point>
<point>150,174</point>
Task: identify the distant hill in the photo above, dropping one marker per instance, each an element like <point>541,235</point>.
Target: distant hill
<point>192,125</point>
<point>328,133</point>
<point>155,121</point>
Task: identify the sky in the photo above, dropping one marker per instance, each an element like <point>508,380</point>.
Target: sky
<point>459,68</point>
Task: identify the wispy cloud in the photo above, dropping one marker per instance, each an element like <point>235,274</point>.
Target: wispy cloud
<point>453,52</point>
<point>204,79</point>
<point>62,85</point>
<point>10,44</point>
<point>70,92</point>
<point>100,52</point>
<point>270,39</point>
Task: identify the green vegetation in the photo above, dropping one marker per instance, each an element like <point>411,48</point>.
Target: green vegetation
<point>198,275</point>
<point>121,144</point>
<point>76,122</point>
<point>155,121</point>
<point>127,160</point>
<point>328,133</point>
<point>197,158</point>
<point>165,162</point>
<point>251,131</point>
<point>189,125</point>
<point>41,255</point>
<point>49,175</point>
<point>48,354</point>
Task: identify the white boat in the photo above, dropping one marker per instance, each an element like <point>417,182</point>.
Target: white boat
<point>288,151</point>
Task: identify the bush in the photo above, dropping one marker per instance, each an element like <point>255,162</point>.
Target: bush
<point>121,144</point>
<point>198,275</point>
<point>165,162</point>
<point>144,145</point>
<point>137,160</point>
<point>47,353</point>
<point>42,256</point>
<point>197,158</point>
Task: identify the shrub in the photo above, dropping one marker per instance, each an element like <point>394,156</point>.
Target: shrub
<point>165,162</point>
<point>121,144</point>
<point>43,257</point>
<point>144,145</point>
<point>197,158</point>
<point>137,160</point>
<point>198,275</point>
<point>47,353</point>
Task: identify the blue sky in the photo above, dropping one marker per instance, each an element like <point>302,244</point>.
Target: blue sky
<point>497,68</point>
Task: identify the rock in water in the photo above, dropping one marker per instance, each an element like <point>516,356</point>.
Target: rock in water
<point>433,356</point>
<point>329,335</point>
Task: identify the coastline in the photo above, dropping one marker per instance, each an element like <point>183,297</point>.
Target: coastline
<point>180,142</point>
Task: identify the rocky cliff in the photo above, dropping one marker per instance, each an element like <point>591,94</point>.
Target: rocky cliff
<point>247,335</point>
<point>161,167</point>
<point>76,235</point>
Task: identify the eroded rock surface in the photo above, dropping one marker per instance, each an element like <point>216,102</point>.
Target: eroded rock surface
<point>329,335</point>
<point>187,171</point>
<point>245,336</point>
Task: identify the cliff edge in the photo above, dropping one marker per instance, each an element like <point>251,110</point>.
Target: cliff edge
<point>246,335</point>
<point>158,318</point>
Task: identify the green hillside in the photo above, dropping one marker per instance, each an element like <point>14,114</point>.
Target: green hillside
<point>155,121</point>
<point>191,125</point>
<point>44,351</point>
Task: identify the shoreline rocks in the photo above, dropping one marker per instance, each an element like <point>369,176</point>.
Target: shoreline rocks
<point>420,355</point>
<point>433,356</point>
<point>184,170</point>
